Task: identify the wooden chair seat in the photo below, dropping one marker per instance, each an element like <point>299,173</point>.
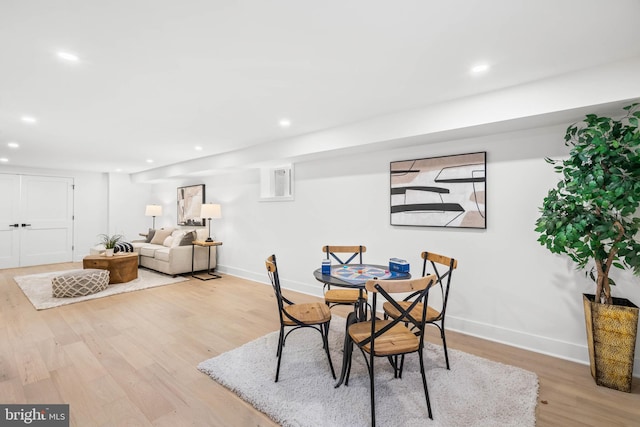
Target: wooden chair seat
<point>313,313</point>
<point>343,296</point>
<point>397,340</point>
<point>393,312</point>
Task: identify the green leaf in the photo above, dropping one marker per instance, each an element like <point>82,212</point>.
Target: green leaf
<point>600,184</point>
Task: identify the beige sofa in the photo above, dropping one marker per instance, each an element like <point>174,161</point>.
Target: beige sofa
<point>169,251</point>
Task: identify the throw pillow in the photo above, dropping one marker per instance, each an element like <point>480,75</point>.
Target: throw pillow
<point>122,247</point>
<point>159,236</point>
<point>150,235</point>
<point>188,238</point>
<point>168,241</point>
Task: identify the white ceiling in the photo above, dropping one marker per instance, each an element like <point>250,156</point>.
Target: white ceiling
<point>158,77</point>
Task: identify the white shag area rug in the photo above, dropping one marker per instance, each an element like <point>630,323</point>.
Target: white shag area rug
<point>37,287</point>
<point>475,392</point>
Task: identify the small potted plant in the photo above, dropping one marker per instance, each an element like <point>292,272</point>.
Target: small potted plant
<point>109,242</point>
<point>592,216</point>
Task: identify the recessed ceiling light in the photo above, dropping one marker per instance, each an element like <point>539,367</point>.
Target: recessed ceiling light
<point>118,170</point>
<point>4,159</point>
<point>29,119</point>
<point>479,68</point>
<point>197,148</point>
<point>149,161</point>
<point>284,123</point>
<point>67,56</point>
<point>13,144</point>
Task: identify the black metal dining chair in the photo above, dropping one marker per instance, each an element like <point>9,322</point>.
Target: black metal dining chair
<point>393,339</point>
<point>432,264</point>
<point>314,315</point>
<point>343,255</point>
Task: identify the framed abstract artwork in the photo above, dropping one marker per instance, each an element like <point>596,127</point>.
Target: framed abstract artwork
<point>446,191</point>
<point>190,200</point>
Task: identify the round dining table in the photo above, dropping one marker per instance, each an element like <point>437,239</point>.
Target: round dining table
<point>355,276</point>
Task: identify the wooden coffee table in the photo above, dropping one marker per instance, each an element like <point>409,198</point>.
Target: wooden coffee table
<point>122,267</point>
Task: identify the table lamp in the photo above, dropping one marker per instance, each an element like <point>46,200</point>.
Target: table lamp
<point>154,211</point>
<point>210,211</point>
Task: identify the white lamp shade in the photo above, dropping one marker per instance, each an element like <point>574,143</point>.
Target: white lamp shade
<point>153,210</point>
<point>210,210</point>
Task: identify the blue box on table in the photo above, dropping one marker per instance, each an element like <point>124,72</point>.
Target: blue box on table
<point>326,266</point>
<point>398,265</point>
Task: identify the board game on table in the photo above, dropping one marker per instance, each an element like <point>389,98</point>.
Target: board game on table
<point>357,274</point>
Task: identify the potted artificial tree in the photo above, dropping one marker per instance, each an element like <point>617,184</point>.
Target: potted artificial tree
<point>592,216</point>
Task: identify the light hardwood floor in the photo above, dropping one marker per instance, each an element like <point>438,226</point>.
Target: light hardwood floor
<point>130,359</point>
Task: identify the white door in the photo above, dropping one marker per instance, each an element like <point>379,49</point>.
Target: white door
<point>41,225</point>
<point>9,221</point>
<point>46,225</point>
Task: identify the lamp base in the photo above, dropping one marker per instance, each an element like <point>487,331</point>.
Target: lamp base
<point>209,239</point>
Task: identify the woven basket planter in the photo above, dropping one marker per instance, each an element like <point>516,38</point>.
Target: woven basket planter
<point>611,336</point>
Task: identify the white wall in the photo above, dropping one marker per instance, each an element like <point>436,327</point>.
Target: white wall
<point>507,287</point>
<point>127,202</point>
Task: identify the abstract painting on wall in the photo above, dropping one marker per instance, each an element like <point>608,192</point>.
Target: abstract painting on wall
<point>190,200</point>
<point>447,191</point>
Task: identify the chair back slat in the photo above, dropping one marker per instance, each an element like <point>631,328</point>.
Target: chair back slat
<point>440,259</point>
<point>274,278</point>
<point>271,267</point>
<point>352,252</point>
<point>397,286</point>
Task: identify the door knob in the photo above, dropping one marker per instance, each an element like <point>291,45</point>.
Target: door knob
<point>14,225</point>
<point>26,225</point>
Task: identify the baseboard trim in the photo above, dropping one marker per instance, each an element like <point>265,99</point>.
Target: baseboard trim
<point>538,344</point>
<point>304,288</point>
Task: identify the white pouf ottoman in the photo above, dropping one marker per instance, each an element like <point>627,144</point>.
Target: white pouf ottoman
<point>80,283</point>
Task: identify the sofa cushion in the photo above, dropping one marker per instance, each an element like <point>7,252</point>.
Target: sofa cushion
<point>137,244</point>
<point>149,250</point>
<point>160,235</point>
<point>162,254</point>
